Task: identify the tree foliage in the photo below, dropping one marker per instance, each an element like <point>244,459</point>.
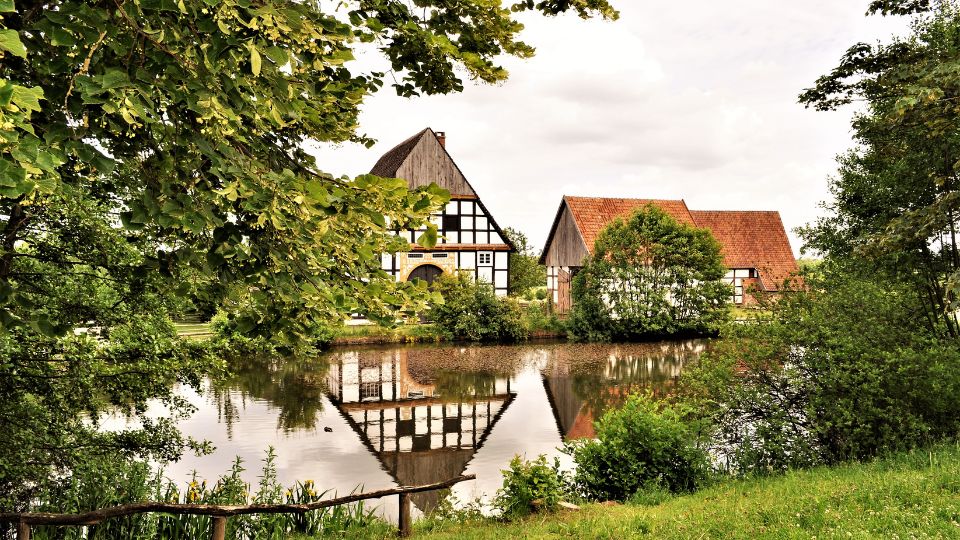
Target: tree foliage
<point>649,276</point>
<point>525,270</point>
<point>841,371</point>
<point>152,147</point>
<point>896,206</point>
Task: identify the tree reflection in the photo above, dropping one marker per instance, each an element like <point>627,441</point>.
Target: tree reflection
<point>583,383</point>
<point>295,387</point>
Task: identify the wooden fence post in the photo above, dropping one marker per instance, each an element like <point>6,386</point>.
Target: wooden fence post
<point>23,531</point>
<point>219,528</point>
<point>404,520</point>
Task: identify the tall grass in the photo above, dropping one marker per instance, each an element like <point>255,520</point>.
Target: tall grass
<point>115,484</point>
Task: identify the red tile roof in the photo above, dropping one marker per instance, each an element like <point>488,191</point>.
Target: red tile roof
<point>752,240</point>
<point>748,239</point>
<point>592,214</point>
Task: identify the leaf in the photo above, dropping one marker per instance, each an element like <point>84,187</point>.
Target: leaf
<point>255,60</point>
<point>6,6</point>
<point>6,93</point>
<point>114,78</point>
<point>10,42</point>
<point>428,238</point>
<point>27,98</point>
<point>11,174</point>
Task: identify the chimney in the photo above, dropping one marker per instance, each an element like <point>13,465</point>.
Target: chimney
<point>442,137</point>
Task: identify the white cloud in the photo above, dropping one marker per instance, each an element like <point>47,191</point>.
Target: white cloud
<point>693,100</point>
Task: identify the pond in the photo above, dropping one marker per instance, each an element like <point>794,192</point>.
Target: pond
<point>407,415</point>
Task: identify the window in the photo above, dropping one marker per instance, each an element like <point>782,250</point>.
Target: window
<point>369,390</point>
<point>451,223</point>
<point>485,258</point>
<point>415,255</point>
<point>439,255</point>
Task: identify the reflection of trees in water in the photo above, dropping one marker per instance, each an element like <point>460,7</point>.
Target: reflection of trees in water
<point>584,382</point>
<point>295,387</point>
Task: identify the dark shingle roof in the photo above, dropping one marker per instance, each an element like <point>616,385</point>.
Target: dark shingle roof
<point>390,162</point>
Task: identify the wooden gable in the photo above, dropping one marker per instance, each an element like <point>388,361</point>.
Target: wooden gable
<point>422,160</point>
<point>565,245</point>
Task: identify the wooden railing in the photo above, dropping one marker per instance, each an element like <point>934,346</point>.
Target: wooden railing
<point>25,520</point>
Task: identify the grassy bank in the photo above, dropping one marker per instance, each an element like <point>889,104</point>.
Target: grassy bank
<point>912,495</point>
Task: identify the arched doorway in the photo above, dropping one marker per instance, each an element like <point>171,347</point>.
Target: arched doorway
<point>425,272</point>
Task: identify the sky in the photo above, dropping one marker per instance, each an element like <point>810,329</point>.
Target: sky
<point>693,100</point>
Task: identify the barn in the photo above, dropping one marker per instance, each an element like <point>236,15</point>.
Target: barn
<point>470,239</point>
<point>754,244</point>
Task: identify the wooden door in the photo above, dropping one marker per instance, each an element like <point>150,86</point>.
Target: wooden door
<point>564,300</point>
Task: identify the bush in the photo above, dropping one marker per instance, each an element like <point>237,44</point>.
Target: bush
<point>538,318</point>
<point>845,371</point>
<point>471,311</point>
<point>530,486</point>
<point>643,446</point>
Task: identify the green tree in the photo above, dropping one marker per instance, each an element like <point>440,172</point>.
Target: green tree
<point>837,372</point>
<point>649,276</point>
<point>153,147</point>
<point>525,270</point>
<point>896,198</point>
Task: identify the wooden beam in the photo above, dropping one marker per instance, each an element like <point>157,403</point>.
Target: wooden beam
<point>404,523</point>
<point>218,529</point>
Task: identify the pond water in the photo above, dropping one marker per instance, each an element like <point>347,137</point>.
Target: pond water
<point>386,416</point>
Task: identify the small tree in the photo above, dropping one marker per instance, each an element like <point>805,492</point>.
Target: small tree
<point>525,270</point>
<point>650,276</point>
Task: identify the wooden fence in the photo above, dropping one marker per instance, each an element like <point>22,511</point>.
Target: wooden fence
<point>25,520</point>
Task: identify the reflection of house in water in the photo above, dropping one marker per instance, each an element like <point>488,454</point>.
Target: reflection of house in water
<point>423,425</point>
<point>580,394</point>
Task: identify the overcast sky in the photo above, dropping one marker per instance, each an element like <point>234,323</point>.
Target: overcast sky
<point>692,100</point>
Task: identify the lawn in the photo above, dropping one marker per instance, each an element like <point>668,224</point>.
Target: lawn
<point>913,495</point>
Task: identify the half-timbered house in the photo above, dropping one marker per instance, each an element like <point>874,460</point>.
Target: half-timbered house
<point>754,245</point>
<point>470,239</point>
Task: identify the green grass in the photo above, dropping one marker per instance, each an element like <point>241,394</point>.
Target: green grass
<point>193,330</point>
<point>409,333</point>
<point>913,495</point>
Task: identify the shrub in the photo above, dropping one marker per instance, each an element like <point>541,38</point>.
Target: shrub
<point>642,446</point>
<point>471,311</point>
<point>845,371</point>
<point>537,317</point>
<point>530,486</point>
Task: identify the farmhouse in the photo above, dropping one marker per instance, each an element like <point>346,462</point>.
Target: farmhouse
<point>755,247</point>
<point>471,241</point>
